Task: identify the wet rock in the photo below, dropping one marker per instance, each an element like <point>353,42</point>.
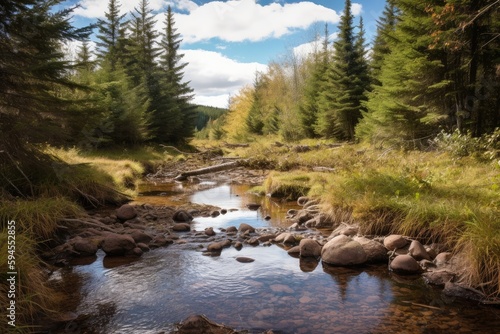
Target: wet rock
<point>302,217</point>
<point>244,259</point>
<point>143,247</point>
<point>137,251</point>
<point>266,237</point>
<point>343,251</point>
<point>182,216</point>
<point>294,250</point>
<point>395,241</point>
<point>196,324</point>
<point>405,264</point>
<point>238,245</point>
<point>223,211</point>
<point>181,227</point>
<point>320,220</point>
<point>267,217</point>
<point>231,229</point>
<point>253,241</point>
<point>209,231</point>
<point>417,251</point>
<point>245,227</point>
<point>438,277</point>
<point>218,246</point>
<point>375,251</point>
<point>309,248</point>
<point>160,241</point>
<point>141,237</point>
<point>126,212</point>
<point>84,247</point>
<point>214,213</point>
<point>442,258</point>
<point>286,238</point>
<point>117,244</point>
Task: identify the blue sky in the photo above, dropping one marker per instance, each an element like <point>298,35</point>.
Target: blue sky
<point>225,42</point>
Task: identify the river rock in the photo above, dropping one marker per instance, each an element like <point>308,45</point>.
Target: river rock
<point>181,227</point>
<point>438,277</point>
<point>395,241</point>
<point>294,250</point>
<point>84,247</point>
<point>143,247</point>
<point>141,237</point>
<point>344,229</point>
<point>160,241</point>
<point>320,220</point>
<point>231,229</point>
<point>309,248</point>
<point>442,258</point>
<point>244,259</point>
<point>245,227</point>
<point>456,290</point>
<point>267,237</point>
<point>417,251</point>
<point>210,231</point>
<point>286,238</point>
<point>302,217</point>
<point>405,264</point>
<point>375,251</point>
<point>253,241</point>
<point>196,324</point>
<point>182,216</point>
<point>117,244</point>
<point>343,251</point>
<point>126,212</point>
<point>238,245</point>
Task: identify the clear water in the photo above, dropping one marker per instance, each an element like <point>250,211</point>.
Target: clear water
<point>276,291</point>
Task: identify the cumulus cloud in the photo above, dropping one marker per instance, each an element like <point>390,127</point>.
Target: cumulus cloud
<point>303,50</point>
<point>356,9</point>
<point>214,77</point>
<point>240,20</point>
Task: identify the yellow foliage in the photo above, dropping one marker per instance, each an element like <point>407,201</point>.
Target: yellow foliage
<point>239,106</point>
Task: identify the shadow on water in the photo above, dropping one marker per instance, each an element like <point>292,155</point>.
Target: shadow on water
<point>276,291</point>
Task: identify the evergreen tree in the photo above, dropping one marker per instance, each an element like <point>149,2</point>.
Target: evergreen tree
<point>381,45</point>
<point>254,120</point>
<point>110,32</point>
<point>175,121</point>
<point>309,108</point>
<point>340,103</point>
<point>411,101</point>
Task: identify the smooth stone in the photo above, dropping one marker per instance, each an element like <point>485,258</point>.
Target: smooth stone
<point>405,264</point>
<point>309,248</point>
<point>244,259</point>
<point>395,241</point>
<point>417,251</point>
<point>343,251</point>
<point>245,227</point>
<point>126,212</point>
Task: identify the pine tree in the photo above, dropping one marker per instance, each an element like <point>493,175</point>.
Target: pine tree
<point>385,29</point>
<point>175,121</point>
<point>341,101</point>
<point>110,32</point>
<point>309,108</point>
<point>410,103</point>
<point>254,120</point>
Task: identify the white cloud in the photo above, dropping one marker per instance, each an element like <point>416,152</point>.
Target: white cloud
<point>356,9</point>
<point>303,50</point>
<point>240,20</point>
<point>214,77</point>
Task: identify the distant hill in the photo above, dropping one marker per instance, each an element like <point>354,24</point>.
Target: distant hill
<point>206,114</point>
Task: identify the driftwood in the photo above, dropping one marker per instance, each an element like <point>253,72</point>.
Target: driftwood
<point>207,170</point>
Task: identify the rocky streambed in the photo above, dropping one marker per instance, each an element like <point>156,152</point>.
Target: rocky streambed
<point>164,268</point>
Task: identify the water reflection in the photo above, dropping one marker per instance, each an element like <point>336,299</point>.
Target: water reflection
<point>276,291</point>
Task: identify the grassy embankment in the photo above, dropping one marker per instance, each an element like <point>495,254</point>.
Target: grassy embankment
<point>38,190</point>
<point>448,195</point>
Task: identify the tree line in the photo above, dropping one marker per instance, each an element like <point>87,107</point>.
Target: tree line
<point>434,66</point>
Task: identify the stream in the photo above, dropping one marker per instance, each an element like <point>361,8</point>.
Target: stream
<point>276,291</point>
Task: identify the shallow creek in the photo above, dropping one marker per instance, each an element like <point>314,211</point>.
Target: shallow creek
<point>276,291</point>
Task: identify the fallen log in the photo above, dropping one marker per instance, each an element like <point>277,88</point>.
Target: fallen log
<point>207,170</point>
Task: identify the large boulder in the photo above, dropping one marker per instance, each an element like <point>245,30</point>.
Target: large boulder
<point>375,251</point>
<point>395,241</point>
<point>417,251</point>
<point>405,264</point>
<point>309,248</point>
<point>117,244</point>
<point>343,251</point>
<point>126,212</point>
